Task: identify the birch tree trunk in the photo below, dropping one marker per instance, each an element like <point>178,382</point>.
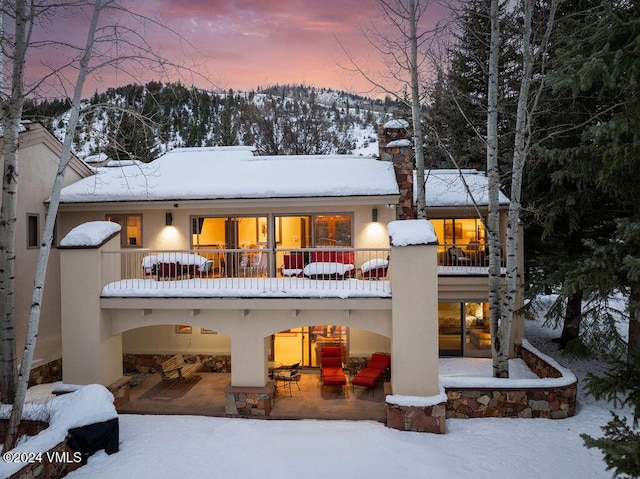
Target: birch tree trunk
<point>522,139</point>
<point>508,296</point>
<point>493,175</point>
<point>402,46</point>
<point>11,113</point>
<point>418,136</point>
<point>47,236</point>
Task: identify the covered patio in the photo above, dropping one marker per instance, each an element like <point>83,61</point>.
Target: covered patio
<point>538,387</point>
<point>204,395</point>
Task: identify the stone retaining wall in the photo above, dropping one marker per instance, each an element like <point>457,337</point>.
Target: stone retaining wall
<point>27,427</point>
<point>221,363</point>
<point>47,469</point>
<point>538,365</point>
<point>46,373</point>
<point>146,363</point>
<point>543,402</point>
<point>44,468</point>
<point>551,402</point>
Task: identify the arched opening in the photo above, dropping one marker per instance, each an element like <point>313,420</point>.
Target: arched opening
<point>142,347</point>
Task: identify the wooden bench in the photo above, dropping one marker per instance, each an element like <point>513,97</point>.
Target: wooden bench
<point>176,368</point>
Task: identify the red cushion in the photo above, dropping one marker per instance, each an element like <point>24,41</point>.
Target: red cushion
<point>333,377</point>
<point>379,361</point>
<point>344,257</point>
<point>335,381</point>
<point>331,362</point>
<point>367,377</point>
<point>294,261</point>
<point>375,273</point>
<point>331,351</point>
<point>370,373</point>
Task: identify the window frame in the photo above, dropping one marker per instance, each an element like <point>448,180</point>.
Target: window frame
<point>124,239</point>
<point>314,233</point>
<point>31,232</point>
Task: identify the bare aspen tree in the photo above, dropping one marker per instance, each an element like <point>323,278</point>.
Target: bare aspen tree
<point>418,136</point>
<point>493,175</point>
<point>10,116</point>
<point>107,45</point>
<point>502,296</point>
<point>402,45</point>
<point>45,247</point>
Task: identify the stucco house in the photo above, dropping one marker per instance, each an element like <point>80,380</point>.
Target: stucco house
<point>258,259</point>
<point>39,153</point>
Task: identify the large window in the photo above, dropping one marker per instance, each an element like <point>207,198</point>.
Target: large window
<point>463,329</point>
<point>280,234</point>
<point>459,231</point>
<point>286,232</point>
<point>305,344</point>
<point>131,234</point>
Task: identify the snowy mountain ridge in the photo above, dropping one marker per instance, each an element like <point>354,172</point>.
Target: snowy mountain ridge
<point>141,122</point>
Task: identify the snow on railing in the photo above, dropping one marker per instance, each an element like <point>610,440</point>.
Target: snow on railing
<point>255,272</point>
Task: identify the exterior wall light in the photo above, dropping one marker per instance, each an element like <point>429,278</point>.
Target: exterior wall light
<point>374,215</point>
<point>168,219</point>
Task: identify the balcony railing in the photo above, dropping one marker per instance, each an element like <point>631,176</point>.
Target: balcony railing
<point>250,272</point>
<point>475,255</point>
<point>309,272</point>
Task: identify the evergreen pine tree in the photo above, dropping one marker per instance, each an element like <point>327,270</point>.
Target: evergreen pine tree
<point>602,60</point>
<point>621,442</point>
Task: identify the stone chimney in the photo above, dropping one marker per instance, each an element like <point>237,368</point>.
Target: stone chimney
<point>394,140</point>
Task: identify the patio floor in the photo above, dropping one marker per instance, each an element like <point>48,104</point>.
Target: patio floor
<point>203,395</point>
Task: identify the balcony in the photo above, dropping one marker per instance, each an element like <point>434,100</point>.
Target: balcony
<point>309,272</point>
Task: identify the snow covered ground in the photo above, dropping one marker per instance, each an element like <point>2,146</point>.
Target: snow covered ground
<point>190,446</point>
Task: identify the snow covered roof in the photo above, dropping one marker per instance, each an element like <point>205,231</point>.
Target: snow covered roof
<point>98,158</point>
<point>446,188</point>
<point>396,123</point>
<point>234,172</point>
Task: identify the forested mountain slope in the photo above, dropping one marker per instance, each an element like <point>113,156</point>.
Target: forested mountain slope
<point>143,121</point>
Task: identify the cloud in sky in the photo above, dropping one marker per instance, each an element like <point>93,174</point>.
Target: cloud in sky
<point>242,44</point>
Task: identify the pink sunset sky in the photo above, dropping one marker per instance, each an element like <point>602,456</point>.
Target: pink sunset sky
<point>243,44</point>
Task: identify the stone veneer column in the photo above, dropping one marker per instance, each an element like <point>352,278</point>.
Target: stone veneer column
<point>395,146</point>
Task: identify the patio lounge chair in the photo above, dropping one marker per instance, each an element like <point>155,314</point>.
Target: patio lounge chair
<point>331,372</point>
<point>376,368</point>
